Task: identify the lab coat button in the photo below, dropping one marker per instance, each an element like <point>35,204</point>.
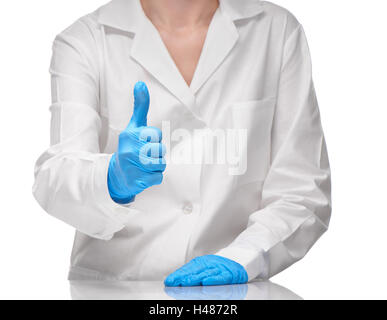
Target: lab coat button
<point>187,208</point>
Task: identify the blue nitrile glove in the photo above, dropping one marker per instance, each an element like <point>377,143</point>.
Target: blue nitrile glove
<point>208,270</point>
<point>138,164</point>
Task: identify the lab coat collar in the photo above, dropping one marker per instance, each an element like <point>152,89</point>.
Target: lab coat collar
<point>124,15</point>
<point>241,9</point>
<point>149,50</point>
<point>222,37</point>
<point>127,14</point>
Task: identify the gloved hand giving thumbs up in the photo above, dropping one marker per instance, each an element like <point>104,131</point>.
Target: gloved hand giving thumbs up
<point>138,164</point>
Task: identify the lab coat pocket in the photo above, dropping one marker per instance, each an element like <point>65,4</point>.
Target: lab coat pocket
<point>252,122</point>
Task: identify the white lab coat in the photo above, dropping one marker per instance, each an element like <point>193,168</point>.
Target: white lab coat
<point>254,73</point>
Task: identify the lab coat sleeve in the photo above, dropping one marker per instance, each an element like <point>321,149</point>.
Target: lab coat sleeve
<point>296,195</point>
<point>71,176</point>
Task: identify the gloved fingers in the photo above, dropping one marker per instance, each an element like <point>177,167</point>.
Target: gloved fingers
<point>197,279</point>
<point>150,134</point>
<point>223,278</point>
<point>153,150</point>
<point>194,267</point>
<point>141,106</point>
<point>193,279</point>
<point>170,280</point>
<point>175,277</point>
<point>150,165</point>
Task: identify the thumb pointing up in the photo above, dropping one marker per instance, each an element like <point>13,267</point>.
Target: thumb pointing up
<point>141,106</point>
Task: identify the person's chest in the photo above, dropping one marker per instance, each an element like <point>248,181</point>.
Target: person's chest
<point>234,83</point>
<point>185,48</point>
<point>234,87</point>
<point>228,68</point>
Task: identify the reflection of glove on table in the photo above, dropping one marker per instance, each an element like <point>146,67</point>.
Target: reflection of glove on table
<point>208,270</point>
<point>231,292</point>
<point>138,164</point>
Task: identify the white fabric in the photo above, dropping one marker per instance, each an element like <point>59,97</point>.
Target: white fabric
<point>254,73</point>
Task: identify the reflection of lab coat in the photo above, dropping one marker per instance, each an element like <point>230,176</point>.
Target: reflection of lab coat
<point>254,73</point>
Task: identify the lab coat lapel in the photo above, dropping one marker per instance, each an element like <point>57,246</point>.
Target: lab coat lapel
<point>221,38</point>
<point>150,52</point>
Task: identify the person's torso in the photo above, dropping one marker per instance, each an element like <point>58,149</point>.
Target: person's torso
<point>202,204</point>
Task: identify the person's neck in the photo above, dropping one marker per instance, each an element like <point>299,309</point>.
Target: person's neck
<point>174,15</point>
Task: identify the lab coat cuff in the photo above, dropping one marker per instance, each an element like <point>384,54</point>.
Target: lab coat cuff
<point>253,261</point>
<point>118,214</point>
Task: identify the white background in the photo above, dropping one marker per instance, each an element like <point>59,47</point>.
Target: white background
<point>349,51</point>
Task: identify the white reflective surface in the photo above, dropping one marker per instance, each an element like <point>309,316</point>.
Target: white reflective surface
<point>154,290</point>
